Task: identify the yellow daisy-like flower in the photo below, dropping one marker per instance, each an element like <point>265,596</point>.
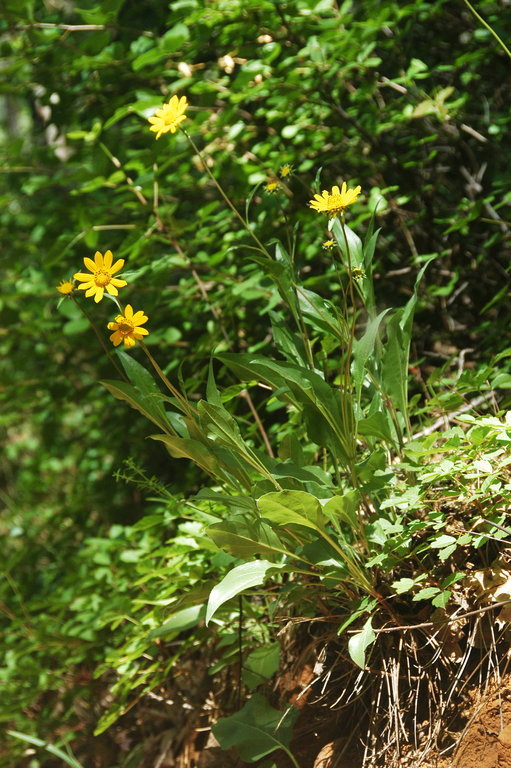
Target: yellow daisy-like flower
<point>328,244</point>
<point>168,117</point>
<point>285,170</point>
<point>126,328</point>
<point>66,287</point>
<point>336,201</point>
<point>272,187</point>
<point>101,277</point>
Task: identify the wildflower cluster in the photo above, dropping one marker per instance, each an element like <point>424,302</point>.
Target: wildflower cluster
<point>102,275</point>
<point>95,282</point>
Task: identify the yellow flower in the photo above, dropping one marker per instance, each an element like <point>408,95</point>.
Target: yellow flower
<point>101,277</point>
<point>127,328</point>
<point>272,187</point>
<point>285,170</point>
<point>357,274</point>
<point>328,244</point>
<point>168,117</point>
<point>336,201</point>
<point>66,287</point>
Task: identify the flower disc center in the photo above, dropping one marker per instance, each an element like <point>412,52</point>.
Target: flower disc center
<point>102,278</point>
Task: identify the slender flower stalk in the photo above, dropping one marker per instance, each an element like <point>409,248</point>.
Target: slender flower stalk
<point>185,405</point>
<point>488,27</point>
<point>227,200</point>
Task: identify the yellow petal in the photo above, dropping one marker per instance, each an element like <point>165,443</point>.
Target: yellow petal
<point>128,312</point>
<point>129,342</point>
<point>99,294</point>
<point>139,318</point>
<point>90,291</point>
<point>107,260</point>
<point>119,264</point>
<point>112,326</point>
<point>98,258</point>
<point>90,264</point>
<point>140,332</point>
<point>116,338</point>
<point>112,290</point>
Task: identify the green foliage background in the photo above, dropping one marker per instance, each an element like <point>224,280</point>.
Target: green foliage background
<point>409,100</point>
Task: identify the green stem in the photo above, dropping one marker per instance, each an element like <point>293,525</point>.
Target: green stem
<point>490,29</point>
<point>185,405</point>
<point>352,423</point>
<point>291,757</point>
<point>227,200</point>
<point>352,568</point>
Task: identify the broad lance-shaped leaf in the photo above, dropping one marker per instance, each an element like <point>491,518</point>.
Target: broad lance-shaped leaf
<point>395,364</point>
<point>245,538</point>
<point>352,253</point>
<point>141,403</point>
<point>321,314</point>
<point>360,642</point>
<point>67,759</point>
<point>213,459</point>
<point>257,730</point>
<point>261,664</point>
<point>241,578</point>
<point>312,395</point>
<point>184,619</point>
<point>363,350</point>
<point>397,349</point>
<point>291,507</point>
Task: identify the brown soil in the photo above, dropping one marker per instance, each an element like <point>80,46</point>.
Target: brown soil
<point>485,741</point>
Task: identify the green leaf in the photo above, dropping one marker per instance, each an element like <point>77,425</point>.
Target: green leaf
<point>313,396</point>
<point>395,363</point>
<point>426,594</point>
<point>256,730</point>
<point>261,664</point>
<point>124,391</point>
<point>350,245</point>
<point>180,621</point>
<point>359,643</point>
<point>245,538</point>
<point>291,507</point>
<point>363,350</point>
<point>321,315</point>
<point>241,578</point>
<point>67,759</point>
<point>146,385</point>
<point>152,56</point>
<point>174,38</point>
<point>209,457</point>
